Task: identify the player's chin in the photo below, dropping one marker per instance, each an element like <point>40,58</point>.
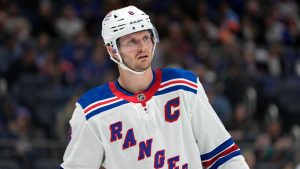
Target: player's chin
<point>143,67</point>
<point>143,63</point>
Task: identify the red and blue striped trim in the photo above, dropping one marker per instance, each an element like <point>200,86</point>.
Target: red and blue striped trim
<point>177,84</point>
<point>220,155</point>
<point>102,105</point>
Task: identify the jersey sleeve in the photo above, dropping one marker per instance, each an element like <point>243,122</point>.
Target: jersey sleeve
<point>217,148</point>
<point>85,149</point>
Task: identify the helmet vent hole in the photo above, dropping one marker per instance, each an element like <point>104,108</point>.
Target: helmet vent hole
<point>115,16</point>
<point>142,26</point>
<point>133,27</point>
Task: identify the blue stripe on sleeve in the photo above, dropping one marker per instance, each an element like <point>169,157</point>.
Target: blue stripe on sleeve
<point>217,150</point>
<point>222,160</point>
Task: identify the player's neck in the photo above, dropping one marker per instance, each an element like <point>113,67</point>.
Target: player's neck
<point>135,83</point>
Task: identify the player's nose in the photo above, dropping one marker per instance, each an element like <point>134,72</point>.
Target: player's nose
<point>141,45</point>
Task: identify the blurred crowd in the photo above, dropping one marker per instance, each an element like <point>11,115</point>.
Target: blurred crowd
<point>245,52</point>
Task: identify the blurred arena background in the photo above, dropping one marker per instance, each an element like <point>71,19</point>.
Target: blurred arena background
<point>246,53</point>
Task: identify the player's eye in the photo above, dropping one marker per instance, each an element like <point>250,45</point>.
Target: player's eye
<point>131,42</point>
<point>146,38</point>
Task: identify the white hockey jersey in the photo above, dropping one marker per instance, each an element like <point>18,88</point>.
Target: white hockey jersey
<point>171,125</point>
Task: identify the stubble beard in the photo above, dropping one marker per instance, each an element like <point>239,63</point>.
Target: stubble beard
<point>139,65</point>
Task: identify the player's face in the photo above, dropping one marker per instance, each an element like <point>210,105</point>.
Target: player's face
<point>136,50</point>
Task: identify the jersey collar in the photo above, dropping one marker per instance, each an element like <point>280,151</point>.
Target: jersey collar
<point>141,97</point>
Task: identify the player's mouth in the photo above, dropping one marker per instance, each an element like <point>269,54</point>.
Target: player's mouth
<point>142,56</point>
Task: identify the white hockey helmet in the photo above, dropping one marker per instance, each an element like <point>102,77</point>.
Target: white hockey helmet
<point>124,21</point>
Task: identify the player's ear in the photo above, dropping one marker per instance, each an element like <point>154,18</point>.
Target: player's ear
<point>112,52</point>
<point>109,50</point>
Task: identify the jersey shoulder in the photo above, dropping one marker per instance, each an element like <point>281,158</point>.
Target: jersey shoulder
<point>99,100</point>
<point>95,94</point>
<point>175,73</point>
<point>177,80</point>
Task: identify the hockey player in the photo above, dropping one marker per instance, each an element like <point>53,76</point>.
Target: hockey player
<point>159,119</point>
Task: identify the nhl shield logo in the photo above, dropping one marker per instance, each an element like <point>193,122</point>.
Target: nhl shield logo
<point>141,97</point>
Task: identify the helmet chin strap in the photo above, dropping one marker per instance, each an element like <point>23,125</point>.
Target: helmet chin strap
<point>125,67</point>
